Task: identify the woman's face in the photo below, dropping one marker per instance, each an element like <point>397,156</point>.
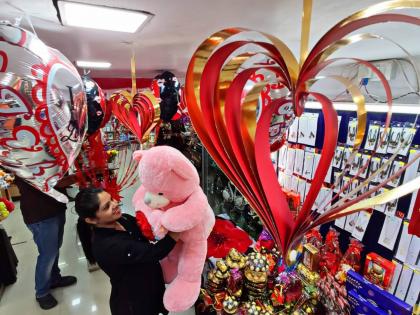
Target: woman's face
<point>108,211</point>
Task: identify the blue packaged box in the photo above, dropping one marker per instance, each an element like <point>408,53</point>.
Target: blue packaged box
<point>360,306</point>
<point>376,295</point>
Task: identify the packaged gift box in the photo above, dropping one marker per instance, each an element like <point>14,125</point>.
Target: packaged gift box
<point>379,270</point>
<point>360,306</point>
<point>376,295</point>
<point>311,257</point>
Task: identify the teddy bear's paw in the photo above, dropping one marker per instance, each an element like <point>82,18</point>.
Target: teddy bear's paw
<point>160,232</point>
<point>180,295</point>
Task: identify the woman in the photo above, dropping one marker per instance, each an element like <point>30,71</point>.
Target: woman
<point>131,262</point>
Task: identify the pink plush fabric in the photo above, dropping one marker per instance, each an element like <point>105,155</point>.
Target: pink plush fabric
<point>166,174</point>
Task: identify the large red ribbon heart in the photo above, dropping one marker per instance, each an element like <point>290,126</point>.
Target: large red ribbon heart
<point>239,143</point>
<point>140,114</point>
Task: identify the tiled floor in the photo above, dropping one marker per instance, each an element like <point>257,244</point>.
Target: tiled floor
<point>89,296</point>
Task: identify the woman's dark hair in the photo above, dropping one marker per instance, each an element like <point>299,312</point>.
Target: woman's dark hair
<point>86,204</point>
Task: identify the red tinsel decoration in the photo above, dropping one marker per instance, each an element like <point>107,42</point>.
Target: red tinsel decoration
<point>92,167</point>
<point>144,226</point>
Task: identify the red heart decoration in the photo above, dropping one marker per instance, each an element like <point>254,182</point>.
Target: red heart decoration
<point>21,104</point>
<point>4,61</point>
<point>140,114</point>
<point>239,143</point>
<point>42,109</point>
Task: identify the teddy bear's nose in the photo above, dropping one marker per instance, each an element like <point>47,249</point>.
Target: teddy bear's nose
<point>147,199</point>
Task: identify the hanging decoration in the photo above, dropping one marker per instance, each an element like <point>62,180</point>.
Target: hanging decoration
<point>223,104</point>
<point>114,171</point>
<point>96,104</point>
<point>167,88</point>
<point>138,112</point>
<point>43,112</point>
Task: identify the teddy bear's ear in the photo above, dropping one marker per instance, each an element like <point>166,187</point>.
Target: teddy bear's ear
<point>184,169</point>
<point>137,155</point>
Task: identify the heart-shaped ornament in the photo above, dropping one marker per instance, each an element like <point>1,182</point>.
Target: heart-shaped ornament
<point>224,103</point>
<point>42,108</point>
<point>140,114</point>
<point>4,61</point>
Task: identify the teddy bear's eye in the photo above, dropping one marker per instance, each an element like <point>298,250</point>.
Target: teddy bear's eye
<point>160,194</point>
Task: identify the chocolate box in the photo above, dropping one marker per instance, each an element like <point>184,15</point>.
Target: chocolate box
<point>360,306</point>
<point>311,257</point>
<point>377,295</point>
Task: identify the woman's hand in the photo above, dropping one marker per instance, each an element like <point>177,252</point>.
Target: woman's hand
<point>174,235</point>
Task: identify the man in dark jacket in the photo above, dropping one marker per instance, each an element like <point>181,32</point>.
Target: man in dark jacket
<point>45,217</point>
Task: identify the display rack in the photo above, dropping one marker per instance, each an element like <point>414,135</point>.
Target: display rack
<point>371,227</point>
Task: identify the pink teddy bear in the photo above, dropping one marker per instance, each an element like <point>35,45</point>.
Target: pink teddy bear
<point>171,198</point>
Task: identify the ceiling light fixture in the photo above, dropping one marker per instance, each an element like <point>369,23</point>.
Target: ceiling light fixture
<point>93,64</point>
<point>370,107</point>
<point>102,17</point>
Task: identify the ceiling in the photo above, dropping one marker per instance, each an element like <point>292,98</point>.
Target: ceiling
<point>178,27</point>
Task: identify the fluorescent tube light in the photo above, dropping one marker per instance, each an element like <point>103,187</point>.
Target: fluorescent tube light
<point>102,17</point>
<point>93,64</point>
<point>375,108</point>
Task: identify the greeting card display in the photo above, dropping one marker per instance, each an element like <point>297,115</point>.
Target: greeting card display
<point>413,251</point>
<point>364,164</point>
<point>361,225</point>
<point>372,137</point>
<point>355,165</point>
<point>391,207</point>
<point>351,132</point>
<point>396,166</point>
<point>380,207</point>
<point>345,186</point>
<point>384,173</point>
<point>338,157</point>
<point>308,125</point>
<point>382,145</point>
<point>351,222</point>
<point>317,158</point>
<point>308,165</point>
<point>294,184</point>
<point>375,163</point>
<point>346,155</point>
<point>282,157</point>
<point>404,243</point>
<point>414,289</point>
<point>340,222</point>
<point>390,231</point>
<point>290,162</point>
<point>404,282</point>
<point>394,139</point>
<point>293,131</point>
<point>396,277</point>
<point>328,176</point>
<point>299,158</point>
<point>354,184</point>
<point>337,181</point>
<point>412,171</point>
<point>301,189</point>
<point>407,137</point>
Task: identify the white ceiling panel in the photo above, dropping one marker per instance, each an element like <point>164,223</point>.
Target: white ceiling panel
<point>178,27</point>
